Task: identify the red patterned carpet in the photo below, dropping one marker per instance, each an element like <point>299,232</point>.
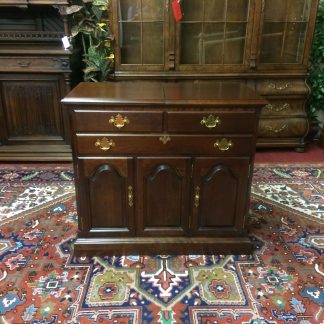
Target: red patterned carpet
<point>42,282</point>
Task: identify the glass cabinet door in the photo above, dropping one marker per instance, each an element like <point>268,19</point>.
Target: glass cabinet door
<point>284,31</point>
<point>141,33</point>
<point>213,33</point>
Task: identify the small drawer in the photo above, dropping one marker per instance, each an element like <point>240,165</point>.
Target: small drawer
<point>117,121</point>
<point>211,122</point>
<point>284,107</point>
<point>283,127</point>
<point>113,144</point>
<point>282,86</point>
<point>34,64</point>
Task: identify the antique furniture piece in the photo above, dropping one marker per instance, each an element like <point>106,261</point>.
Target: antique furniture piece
<point>264,41</point>
<point>34,77</point>
<point>163,167</point>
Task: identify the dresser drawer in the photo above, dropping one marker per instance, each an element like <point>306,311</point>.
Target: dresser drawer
<point>283,127</point>
<point>34,64</point>
<point>111,144</point>
<point>119,121</point>
<point>284,107</point>
<point>207,122</point>
<point>282,86</point>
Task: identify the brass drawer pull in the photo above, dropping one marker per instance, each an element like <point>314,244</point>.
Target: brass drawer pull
<point>210,121</point>
<point>271,129</point>
<point>165,139</point>
<point>104,144</point>
<point>130,196</point>
<point>223,144</point>
<point>119,121</point>
<point>197,197</point>
<point>23,63</point>
<point>278,107</point>
<point>279,86</point>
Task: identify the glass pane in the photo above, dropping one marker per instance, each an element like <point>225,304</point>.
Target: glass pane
<point>237,10</point>
<point>234,43</point>
<point>275,10</point>
<point>192,10</point>
<point>152,10</point>
<point>211,44</point>
<point>130,10</point>
<point>294,42</point>
<point>272,40</point>
<point>153,43</point>
<point>190,40</point>
<point>130,42</point>
<point>298,10</point>
<point>214,10</point>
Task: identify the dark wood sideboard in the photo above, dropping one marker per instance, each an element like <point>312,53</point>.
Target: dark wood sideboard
<point>163,167</point>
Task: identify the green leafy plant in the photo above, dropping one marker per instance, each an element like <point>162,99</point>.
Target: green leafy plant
<point>90,28</point>
<point>316,69</point>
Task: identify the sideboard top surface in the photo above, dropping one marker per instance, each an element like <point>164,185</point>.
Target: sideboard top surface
<point>163,92</point>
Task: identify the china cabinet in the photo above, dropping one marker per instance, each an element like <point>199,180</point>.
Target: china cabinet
<point>34,77</point>
<point>163,167</point>
<point>266,43</point>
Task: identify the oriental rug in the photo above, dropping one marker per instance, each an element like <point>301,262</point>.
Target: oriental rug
<point>41,281</point>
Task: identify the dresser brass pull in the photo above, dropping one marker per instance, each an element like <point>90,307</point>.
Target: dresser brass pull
<point>210,121</point>
<point>279,86</point>
<point>130,196</point>
<point>119,121</point>
<point>277,107</point>
<point>104,144</point>
<point>197,197</point>
<point>223,144</point>
<point>165,139</point>
<point>271,129</point>
<point>23,63</point>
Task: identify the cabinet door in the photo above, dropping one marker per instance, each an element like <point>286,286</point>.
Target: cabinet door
<point>214,35</point>
<point>220,196</point>
<point>31,109</point>
<point>286,30</point>
<point>105,197</point>
<point>162,196</point>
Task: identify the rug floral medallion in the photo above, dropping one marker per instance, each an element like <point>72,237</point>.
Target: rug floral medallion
<point>41,281</point>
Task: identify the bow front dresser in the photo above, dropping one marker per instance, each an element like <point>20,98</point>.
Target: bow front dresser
<point>163,167</point>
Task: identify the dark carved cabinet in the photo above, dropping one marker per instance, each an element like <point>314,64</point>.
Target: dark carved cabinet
<point>34,77</point>
<point>163,167</point>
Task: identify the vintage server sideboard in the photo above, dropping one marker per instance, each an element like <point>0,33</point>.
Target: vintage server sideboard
<point>163,167</point>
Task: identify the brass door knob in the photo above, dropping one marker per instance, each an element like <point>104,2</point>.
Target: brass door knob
<point>104,144</point>
<point>223,144</point>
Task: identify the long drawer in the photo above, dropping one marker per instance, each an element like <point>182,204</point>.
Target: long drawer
<point>110,144</point>
<point>34,64</point>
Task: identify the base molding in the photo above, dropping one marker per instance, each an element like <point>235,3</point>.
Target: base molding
<point>163,245</point>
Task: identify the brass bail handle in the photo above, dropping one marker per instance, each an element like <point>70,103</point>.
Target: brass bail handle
<point>119,121</point>
<point>210,121</point>
<point>223,144</point>
<point>104,144</point>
